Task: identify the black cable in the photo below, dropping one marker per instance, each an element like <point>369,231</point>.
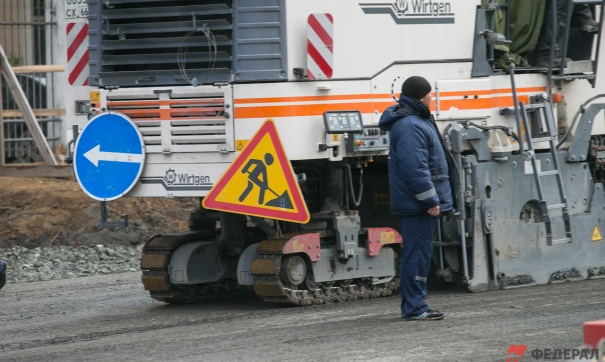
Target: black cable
<point>581,109</point>
<point>356,200</point>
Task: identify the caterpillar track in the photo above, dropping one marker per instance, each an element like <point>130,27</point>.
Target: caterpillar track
<point>155,278</point>
<point>268,270</point>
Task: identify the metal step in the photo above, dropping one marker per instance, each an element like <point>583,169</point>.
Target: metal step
<point>574,76</point>
<point>561,241</point>
<point>541,139</point>
<point>556,206</point>
<point>588,2</point>
<point>548,173</point>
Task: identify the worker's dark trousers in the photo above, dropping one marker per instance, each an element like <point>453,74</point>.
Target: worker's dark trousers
<point>417,249</point>
<point>582,14</point>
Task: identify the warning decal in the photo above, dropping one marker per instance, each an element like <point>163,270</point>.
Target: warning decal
<point>320,46</point>
<point>596,234</point>
<point>77,54</point>
<point>240,144</point>
<point>260,182</point>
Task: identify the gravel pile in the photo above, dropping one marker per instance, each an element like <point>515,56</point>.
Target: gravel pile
<point>63,262</point>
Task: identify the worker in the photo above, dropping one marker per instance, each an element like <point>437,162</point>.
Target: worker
<point>582,15</point>
<point>420,189</point>
<point>2,273</point>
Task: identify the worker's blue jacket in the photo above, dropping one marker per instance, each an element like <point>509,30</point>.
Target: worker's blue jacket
<point>418,166</point>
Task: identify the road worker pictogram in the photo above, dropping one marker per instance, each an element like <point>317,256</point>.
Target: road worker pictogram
<point>260,182</point>
<point>257,176</point>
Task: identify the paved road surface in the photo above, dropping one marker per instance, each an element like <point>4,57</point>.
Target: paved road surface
<point>111,318</point>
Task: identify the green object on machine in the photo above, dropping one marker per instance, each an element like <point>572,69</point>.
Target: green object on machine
<point>525,24</point>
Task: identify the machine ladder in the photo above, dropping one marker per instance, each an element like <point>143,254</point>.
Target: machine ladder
<point>543,111</point>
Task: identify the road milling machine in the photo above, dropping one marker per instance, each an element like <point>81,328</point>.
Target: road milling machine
<point>268,110</point>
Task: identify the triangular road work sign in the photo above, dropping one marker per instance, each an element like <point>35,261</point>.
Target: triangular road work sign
<point>260,182</point>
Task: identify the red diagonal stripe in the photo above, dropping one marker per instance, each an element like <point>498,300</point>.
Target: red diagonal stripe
<point>73,47</point>
<point>321,62</point>
<point>320,31</point>
<point>75,73</point>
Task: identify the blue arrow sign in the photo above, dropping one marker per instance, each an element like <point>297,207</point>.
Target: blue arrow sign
<point>109,156</point>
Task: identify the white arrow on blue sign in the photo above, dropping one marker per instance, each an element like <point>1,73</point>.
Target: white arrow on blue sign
<point>109,156</point>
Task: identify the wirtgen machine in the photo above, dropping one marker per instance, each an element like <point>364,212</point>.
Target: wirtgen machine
<point>267,110</point>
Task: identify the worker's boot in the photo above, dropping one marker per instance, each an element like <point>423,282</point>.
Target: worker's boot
<point>556,63</point>
<point>590,26</point>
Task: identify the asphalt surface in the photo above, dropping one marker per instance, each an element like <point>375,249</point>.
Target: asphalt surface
<point>111,318</point>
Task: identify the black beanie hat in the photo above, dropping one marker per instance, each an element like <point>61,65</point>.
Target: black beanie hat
<point>415,87</point>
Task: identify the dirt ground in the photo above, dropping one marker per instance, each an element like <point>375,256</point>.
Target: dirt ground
<point>55,211</point>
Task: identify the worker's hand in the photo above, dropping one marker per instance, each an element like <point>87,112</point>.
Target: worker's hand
<point>434,211</point>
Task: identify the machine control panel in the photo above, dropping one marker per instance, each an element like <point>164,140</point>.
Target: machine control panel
<point>343,122</point>
<point>372,139</point>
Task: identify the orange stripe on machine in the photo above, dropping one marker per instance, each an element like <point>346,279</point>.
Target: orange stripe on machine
<point>305,106</point>
<point>368,103</point>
